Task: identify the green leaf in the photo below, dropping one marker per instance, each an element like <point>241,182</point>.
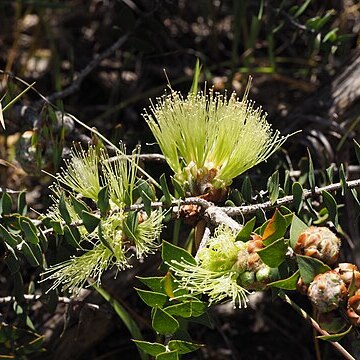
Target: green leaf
<point>183,347</point>
<point>25,249</point>
<point>165,190</point>
<point>296,228</point>
<point>342,176</point>
<point>274,254</point>
<point>5,204</point>
<point>130,225</point>
<point>330,203</point>
<point>186,309</point>
<point>70,238</point>
<point>355,196</point>
<point>152,298</point>
<point>273,187</point>
<point>311,174</point>
<point>29,230</point>
<point>183,309</point>
<point>171,252</point>
<point>125,317</point>
<point>64,212</point>
<point>330,173</point>
<point>179,191</point>
<point>297,191</point>
<point>357,150</point>
<point>147,202</point>
<point>287,284</point>
<point>245,232</point>
<point>310,267</point>
<point>90,221</point>
<point>246,189</point>
<point>335,337</point>
<point>103,200</point>
<point>150,348</point>
<point>8,237</point>
<point>275,229</point>
<point>287,182</point>
<point>79,206</point>
<point>331,36</point>
<point>170,355</point>
<point>146,188</point>
<point>154,283</point>
<point>168,284</point>
<point>36,249</point>
<point>21,203</point>
<point>163,323</point>
<point>57,226</point>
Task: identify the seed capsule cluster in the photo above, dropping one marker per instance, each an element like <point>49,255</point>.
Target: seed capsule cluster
<point>332,291</point>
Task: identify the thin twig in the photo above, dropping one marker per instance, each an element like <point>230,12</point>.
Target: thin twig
<point>286,200</point>
<point>315,325</point>
<point>65,300</point>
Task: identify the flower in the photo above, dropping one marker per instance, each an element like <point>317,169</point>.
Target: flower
<point>215,272</point>
<point>86,174</point>
<point>81,173</point>
<point>73,274</point>
<point>208,139</point>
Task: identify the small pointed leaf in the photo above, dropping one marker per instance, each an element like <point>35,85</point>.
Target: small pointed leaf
<point>152,298</point>
<point>150,348</point>
<point>297,191</point>
<point>310,267</point>
<point>296,228</point>
<point>274,254</point>
<point>335,337</point>
<point>287,284</point>
<point>103,200</point>
<point>331,205</point>
<point>245,232</point>
<point>29,230</point>
<point>163,323</point>
<point>90,221</point>
<point>171,252</point>
<point>183,347</point>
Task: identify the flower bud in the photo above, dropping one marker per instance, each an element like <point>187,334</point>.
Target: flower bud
<point>353,310</point>
<point>319,243</point>
<point>327,291</point>
<point>348,272</point>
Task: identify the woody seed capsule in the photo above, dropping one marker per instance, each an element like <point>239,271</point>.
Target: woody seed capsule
<point>319,243</point>
<point>327,291</point>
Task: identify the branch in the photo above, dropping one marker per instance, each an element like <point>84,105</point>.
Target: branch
<point>286,200</point>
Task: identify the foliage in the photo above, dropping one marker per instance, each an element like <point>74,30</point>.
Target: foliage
<point>276,230</point>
